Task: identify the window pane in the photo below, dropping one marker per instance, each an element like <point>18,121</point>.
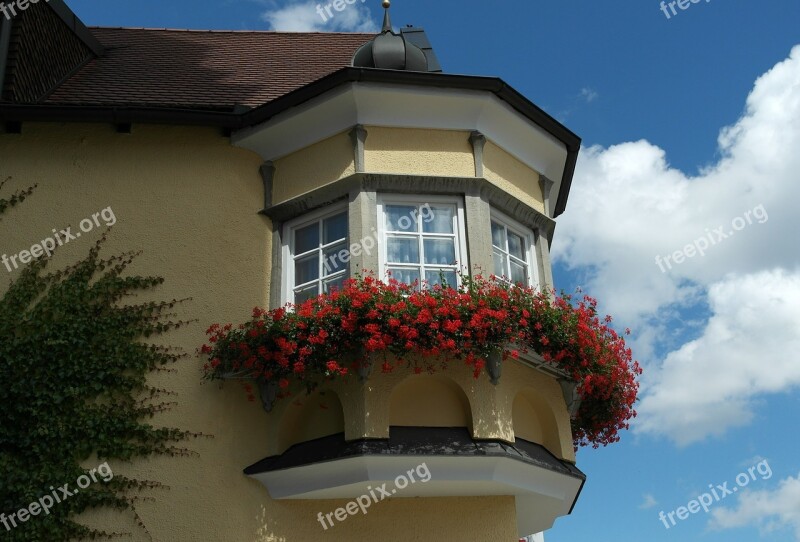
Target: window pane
<point>440,251</point>
<point>306,269</point>
<point>306,238</point>
<point>402,249</point>
<point>498,236</point>
<point>500,266</point>
<point>401,218</point>
<point>516,246</point>
<point>437,219</point>
<point>333,261</point>
<point>305,294</point>
<point>335,228</point>
<point>334,284</point>
<point>408,276</point>
<point>518,273</point>
<point>445,278</point>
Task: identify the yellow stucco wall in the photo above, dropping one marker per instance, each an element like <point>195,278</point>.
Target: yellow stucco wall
<point>405,151</point>
<point>418,152</point>
<point>189,200</point>
<point>312,167</point>
<point>513,176</point>
<point>429,401</point>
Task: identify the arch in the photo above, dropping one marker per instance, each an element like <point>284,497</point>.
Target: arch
<point>535,421</point>
<point>429,401</point>
<point>310,417</point>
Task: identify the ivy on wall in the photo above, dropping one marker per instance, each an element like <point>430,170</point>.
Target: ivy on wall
<point>73,387</point>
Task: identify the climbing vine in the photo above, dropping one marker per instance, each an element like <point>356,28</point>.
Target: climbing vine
<point>73,389</point>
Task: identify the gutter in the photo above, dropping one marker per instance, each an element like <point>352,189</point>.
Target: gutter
<point>119,115</point>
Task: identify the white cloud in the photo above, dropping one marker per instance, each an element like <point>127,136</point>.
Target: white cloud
<point>749,347</point>
<point>648,502</point>
<point>305,17</point>
<point>588,94</point>
<point>628,206</point>
<point>770,511</point>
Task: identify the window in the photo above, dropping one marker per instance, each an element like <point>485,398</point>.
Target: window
<point>311,254</point>
<point>422,239</point>
<point>512,251</point>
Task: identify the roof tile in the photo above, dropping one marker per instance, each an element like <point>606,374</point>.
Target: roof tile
<point>203,69</point>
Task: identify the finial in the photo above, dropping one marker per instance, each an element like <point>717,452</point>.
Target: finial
<point>387,22</point>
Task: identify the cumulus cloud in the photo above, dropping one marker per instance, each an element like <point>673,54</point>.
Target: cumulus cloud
<point>770,511</point>
<point>305,17</point>
<point>749,347</point>
<point>648,502</point>
<point>628,206</point>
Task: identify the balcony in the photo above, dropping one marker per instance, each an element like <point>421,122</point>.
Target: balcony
<point>505,426</point>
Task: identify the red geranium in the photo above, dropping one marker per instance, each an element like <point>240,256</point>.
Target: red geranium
<point>425,329</point>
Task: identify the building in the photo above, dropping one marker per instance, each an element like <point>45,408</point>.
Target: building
<point>240,162</point>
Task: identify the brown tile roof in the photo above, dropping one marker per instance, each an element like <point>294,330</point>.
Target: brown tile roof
<point>203,69</point>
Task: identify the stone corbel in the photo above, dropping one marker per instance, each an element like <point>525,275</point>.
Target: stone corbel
<point>267,171</point>
<point>478,142</point>
<point>359,136</point>
<point>546,185</point>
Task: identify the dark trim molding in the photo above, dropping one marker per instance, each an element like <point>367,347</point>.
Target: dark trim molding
<point>5,41</point>
<point>413,184</point>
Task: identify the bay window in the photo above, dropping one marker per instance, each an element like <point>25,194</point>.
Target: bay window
<point>312,254</point>
<point>422,239</point>
<point>512,251</point>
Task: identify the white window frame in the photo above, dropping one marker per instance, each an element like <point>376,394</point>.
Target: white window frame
<point>459,228</point>
<point>527,234</point>
<point>288,268</point>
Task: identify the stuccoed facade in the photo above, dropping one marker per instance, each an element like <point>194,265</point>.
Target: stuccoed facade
<point>214,202</point>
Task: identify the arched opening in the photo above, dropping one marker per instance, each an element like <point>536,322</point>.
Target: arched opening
<point>429,401</point>
<point>311,417</point>
<point>534,421</point>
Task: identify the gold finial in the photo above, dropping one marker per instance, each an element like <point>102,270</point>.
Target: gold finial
<point>387,22</point>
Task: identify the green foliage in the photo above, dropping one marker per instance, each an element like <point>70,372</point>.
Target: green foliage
<point>16,198</point>
<point>73,371</point>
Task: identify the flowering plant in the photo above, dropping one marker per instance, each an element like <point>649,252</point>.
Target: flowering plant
<point>425,330</point>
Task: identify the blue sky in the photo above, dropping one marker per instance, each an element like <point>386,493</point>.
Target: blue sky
<point>690,123</point>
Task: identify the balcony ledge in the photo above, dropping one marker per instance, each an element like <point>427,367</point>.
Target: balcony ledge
<point>544,487</point>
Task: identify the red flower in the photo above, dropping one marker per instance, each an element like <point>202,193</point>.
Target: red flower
<point>426,328</point>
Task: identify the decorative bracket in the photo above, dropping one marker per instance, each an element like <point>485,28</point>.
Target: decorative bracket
<point>359,136</point>
<point>478,141</point>
<point>267,171</point>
